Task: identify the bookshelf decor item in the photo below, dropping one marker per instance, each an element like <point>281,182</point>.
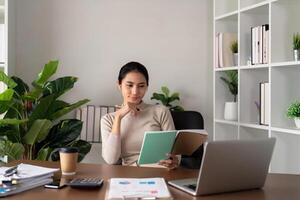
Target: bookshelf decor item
<point>293,112</point>
<point>231,80</point>
<point>296,46</point>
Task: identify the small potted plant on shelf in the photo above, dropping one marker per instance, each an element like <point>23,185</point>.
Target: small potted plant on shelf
<point>231,80</point>
<point>293,112</point>
<point>166,98</point>
<point>234,50</point>
<point>296,46</point>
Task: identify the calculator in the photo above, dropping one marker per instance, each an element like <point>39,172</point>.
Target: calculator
<point>86,183</point>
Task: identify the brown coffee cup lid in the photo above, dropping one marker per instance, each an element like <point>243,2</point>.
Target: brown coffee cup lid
<point>68,150</point>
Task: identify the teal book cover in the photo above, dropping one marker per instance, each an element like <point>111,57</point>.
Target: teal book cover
<point>156,145</point>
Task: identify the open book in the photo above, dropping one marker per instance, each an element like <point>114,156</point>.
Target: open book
<point>157,144</point>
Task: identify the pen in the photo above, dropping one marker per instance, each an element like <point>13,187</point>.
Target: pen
<point>10,171</point>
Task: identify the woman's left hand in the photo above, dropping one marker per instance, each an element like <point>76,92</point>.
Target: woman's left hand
<point>171,163</point>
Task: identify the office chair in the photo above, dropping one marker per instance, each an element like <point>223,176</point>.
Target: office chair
<point>189,120</point>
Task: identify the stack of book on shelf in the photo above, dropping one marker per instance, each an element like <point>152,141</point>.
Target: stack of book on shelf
<point>137,188</point>
<point>223,53</point>
<point>23,177</point>
<point>260,44</point>
<point>264,118</point>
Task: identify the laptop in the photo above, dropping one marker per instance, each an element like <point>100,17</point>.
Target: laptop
<point>230,166</point>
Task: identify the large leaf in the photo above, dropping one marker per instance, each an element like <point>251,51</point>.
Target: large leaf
<point>63,133</point>
<point>5,100</point>
<point>59,86</point>
<point>7,121</point>
<point>160,97</point>
<point>83,147</point>
<point>8,81</point>
<point>67,109</point>
<point>48,70</point>
<point>41,110</point>
<point>33,95</point>
<point>43,154</point>
<point>56,106</point>
<point>165,90</point>
<point>21,87</point>
<point>38,131</point>
<point>174,96</point>
<point>14,151</point>
<point>10,133</point>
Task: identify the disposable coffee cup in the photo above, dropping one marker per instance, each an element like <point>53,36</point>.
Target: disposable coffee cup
<point>68,160</point>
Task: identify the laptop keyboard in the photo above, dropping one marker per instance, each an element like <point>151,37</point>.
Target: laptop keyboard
<point>191,186</point>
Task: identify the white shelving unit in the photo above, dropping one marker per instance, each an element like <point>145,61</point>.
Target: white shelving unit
<point>2,40</point>
<point>281,72</point>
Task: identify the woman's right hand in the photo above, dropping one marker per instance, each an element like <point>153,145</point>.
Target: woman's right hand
<point>125,109</point>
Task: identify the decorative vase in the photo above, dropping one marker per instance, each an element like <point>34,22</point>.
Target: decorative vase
<point>230,111</point>
<point>296,54</point>
<point>297,122</point>
<point>235,59</point>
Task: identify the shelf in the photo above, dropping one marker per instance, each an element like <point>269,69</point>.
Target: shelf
<point>226,68</point>
<point>255,7</point>
<point>256,126</point>
<point>254,66</point>
<point>227,16</point>
<point>289,63</point>
<point>222,121</point>
<point>286,130</point>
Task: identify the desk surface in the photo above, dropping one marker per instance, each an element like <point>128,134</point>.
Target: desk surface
<point>277,186</point>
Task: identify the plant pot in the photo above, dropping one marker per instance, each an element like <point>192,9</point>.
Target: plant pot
<point>230,111</point>
<point>296,54</point>
<point>297,122</point>
<point>235,59</point>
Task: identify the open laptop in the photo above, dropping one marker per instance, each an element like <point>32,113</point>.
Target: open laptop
<point>230,166</point>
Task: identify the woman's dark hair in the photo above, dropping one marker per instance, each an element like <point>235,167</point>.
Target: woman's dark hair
<point>133,67</point>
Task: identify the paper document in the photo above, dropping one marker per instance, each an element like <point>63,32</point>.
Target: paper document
<point>126,188</point>
<point>26,171</point>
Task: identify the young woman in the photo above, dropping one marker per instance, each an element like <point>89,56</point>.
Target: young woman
<point>123,131</point>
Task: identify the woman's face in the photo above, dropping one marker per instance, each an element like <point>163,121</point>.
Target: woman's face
<point>133,87</point>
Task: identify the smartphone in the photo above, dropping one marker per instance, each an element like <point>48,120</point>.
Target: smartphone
<point>55,184</point>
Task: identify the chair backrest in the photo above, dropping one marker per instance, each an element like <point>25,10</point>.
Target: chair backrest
<point>91,115</point>
<point>187,120</point>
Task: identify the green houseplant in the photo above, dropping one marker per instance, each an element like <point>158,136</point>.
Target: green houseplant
<point>234,50</point>
<point>166,98</point>
<point>31,127</point>
<point>231,80</point>
<point>296,46</point>
<point>293,112</point>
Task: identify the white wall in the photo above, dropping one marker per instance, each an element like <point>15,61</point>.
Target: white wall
<point>93,38</point>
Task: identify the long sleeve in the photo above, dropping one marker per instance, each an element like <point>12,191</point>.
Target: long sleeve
<point>166,120</point>
<point>111,143</point>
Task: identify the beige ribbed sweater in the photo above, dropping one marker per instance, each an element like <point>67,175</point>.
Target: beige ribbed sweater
<point>128,144</point>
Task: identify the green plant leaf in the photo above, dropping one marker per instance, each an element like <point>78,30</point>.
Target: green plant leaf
<point>33,95</point>
<point>43,154</point>
<point>5,100</point>
<point>160,97</point>
<point>177,108</point>
<point>14,151</point>
<point>64,132</point>
<point>8,81</point>
<point>165,90</point>
<point>56,106</point>
<point>68,109</point>
<point>12,134</point>
<point>293,110</point>
<point>21,87</point>
<point>37,132</point>
<point>41,110</point>
<point>174,96</point>
<point>5,122</point>
<point>48,70</point>
<point>59,86</point>
<point>83,148</point>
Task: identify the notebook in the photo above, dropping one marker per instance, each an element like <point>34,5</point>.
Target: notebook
<point>157,144</point>
<point>230,166</point>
